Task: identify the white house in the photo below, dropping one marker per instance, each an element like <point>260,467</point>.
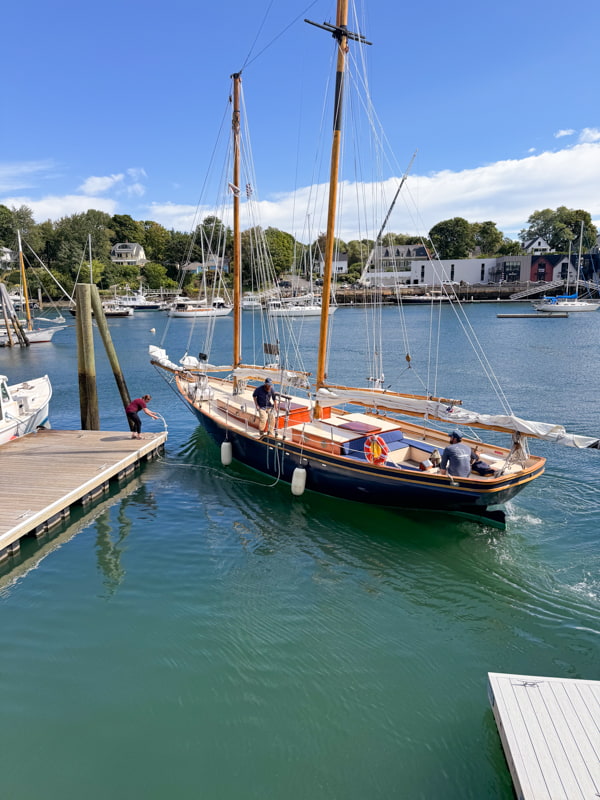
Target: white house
<point>537,246</point>
<point>339,265</point>
<point>211,263</point>
<point>128,253</point>
<point>8,258</point>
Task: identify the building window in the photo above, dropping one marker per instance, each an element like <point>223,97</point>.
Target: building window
<point>482,276</point>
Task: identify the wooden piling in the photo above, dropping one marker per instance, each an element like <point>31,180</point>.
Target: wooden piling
<point>86,363</point>
<point>108,345</point>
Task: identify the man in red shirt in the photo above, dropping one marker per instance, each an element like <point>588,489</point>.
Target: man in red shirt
<point>133,417</point>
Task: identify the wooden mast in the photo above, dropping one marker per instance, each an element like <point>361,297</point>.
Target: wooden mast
<point>24,284</point>
<point>237,239</point>
<point>341,34</point>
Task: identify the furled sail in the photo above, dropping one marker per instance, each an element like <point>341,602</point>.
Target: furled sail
<point>452,413</point>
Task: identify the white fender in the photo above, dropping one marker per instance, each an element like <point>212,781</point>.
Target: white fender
<point>226,454</point>
<point>298,481</point>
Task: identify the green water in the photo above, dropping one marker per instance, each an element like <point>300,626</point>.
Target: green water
<point>202,633</point>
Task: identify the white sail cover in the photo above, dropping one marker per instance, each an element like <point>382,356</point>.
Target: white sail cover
<point>160,356</point>
<point>456,415</point>
<point>282,376</point>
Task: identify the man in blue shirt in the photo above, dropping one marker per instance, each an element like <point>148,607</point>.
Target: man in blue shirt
<point>456,458</point>
<point>264,402</point>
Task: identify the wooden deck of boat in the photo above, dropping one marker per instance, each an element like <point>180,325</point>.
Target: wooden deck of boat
<point>550,732</point>
<point>45,473</point>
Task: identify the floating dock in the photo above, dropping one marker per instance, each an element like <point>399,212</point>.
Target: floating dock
<point>550,732</point>
<point>541,315</point>
<point>45,473</point>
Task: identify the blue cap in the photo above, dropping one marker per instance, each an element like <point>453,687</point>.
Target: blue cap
<point>268,380</point>
<point>456,435</point>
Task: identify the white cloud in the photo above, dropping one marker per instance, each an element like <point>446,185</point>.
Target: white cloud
<point>176,217</point>
<point>564,132</point>
<point>136,190</point>
<point>54,207</point>
<point>507,192</point>
<point>99,185</point>
<point>22,175</point>
<point>590,135</point>
<point>136,173</point>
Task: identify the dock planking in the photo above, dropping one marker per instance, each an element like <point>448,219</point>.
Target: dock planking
<point>45,473</point>
<point>550,732</point>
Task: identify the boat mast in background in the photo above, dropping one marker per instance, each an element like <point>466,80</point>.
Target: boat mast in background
<point>24,288</point>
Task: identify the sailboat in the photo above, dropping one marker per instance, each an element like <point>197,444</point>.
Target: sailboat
<point>354,443</point>
<point>304,306</point>
<point>568,302</point>
<point>30,332</point>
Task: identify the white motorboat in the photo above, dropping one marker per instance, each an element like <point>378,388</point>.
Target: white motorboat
<point>191,309</point>
<point>23,407</point>
<point>139,301</point>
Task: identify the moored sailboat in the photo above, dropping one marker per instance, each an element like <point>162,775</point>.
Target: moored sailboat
<point>31,332</point>
<point>350,442</point>
<point>568,302</point>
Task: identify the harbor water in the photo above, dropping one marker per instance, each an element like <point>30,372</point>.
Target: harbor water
<point>201,633</point>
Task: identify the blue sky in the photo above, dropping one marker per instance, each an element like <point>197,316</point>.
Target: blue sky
<point>115,106</point>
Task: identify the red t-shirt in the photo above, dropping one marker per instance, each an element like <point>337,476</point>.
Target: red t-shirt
<point>135,405</point>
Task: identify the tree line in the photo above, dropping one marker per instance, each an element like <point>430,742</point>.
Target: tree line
<point>61,245</point>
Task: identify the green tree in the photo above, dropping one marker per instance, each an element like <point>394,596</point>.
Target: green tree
<point>358,253</point>
<point>7,232</point>
<point>560,227</point>
<point>252,276</point>
<point>487,237</point>
<point>18,219</point>
<point>453,238</point>
<point>176,251</point>
<point>155,275</point>
<point>70,244</point>
<point>213,238</point>
<point>156,240</point>
<point>509,248</point>
<point>126,229</point>
<point>119,275</point>
<point>281,248</point>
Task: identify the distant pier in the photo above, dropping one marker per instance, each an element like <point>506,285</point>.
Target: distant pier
<point>44,474</point>
<point>542,315</point>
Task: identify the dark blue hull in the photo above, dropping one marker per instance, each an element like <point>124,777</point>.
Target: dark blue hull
<point>354,480</point>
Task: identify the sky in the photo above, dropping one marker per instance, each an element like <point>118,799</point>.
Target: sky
<point>115,106</point>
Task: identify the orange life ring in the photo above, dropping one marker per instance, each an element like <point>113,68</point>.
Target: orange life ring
<point>376,450</point>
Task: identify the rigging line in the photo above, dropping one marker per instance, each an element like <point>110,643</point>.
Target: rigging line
<point>249,61</point>
<point>465,324</point>
<point>217,471</point>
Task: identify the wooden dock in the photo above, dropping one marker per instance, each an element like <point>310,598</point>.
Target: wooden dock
<point>550,732</point>
<point>45,473</point>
